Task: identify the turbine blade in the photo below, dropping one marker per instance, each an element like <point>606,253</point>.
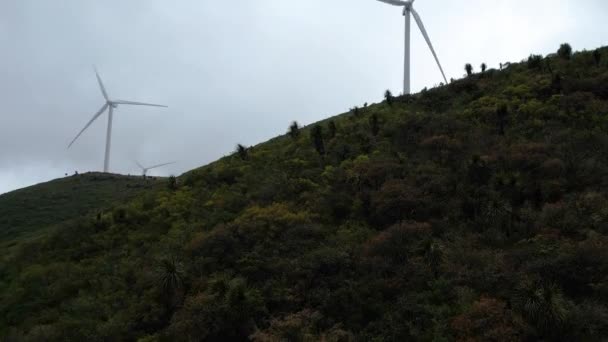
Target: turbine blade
<point>103,109</point>
<point>101,86</point>
<point>394,2</point>
<point>428,41</point>
<point>159,165</point>
<point>140,166</point>
<point>138,103</point>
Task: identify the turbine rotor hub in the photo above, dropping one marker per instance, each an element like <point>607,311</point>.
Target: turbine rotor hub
<point>407,7</point>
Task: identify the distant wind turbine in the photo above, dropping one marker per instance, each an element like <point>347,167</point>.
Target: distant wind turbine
<point>145,170</point>
<point>111,104</point>
<point>408,8</point>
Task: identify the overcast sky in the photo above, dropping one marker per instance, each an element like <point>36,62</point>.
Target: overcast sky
<point>233,71</point>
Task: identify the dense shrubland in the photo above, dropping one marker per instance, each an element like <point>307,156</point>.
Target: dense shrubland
<point>472,211</point>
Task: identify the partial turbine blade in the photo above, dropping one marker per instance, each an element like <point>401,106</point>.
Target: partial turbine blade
<point>138,103</point>
<point>428,41</point>
<point>394,2</point>
<point>155,166</point>
<point>103,109</point>
<point>140,166</point>
<point>101,86</point>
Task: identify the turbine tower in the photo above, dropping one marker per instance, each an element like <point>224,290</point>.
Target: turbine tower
<point>408,8</point>
<point>111,105</point>
<point>145,170</point>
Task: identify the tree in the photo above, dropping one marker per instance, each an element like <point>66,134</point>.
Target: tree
<point>597,56</point>
<point>294,130</point>
<point>242,151</point>
<point>535,62</point>
<point>316,134</point>
<point>374,125</point>
<point>565,51</point>
<point>331,126</point>
<point>469,69</point>
<point>483,67</point>
<point>355,110</point>
<point>388,96</point>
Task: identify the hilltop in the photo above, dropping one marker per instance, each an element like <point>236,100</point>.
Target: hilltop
<point>26,211</point>
<point>471,211</point>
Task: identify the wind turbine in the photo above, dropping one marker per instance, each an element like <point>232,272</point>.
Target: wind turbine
<point>408,8</point>
<point>146,169</point>
<point>111,105</point>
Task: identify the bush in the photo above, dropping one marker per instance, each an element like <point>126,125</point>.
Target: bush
<point>565,51</point>
<point>535,62</point>
<point>469,69</point>
<point>294,130</point>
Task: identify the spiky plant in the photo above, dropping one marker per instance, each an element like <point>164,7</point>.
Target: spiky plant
<point>170,276</point>
<point>294,130</point>
<point>388,96</point>
<point>242,151</point>
<point>469,69</point>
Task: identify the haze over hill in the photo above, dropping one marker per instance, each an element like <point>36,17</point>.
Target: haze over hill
<point>471,211</point>
<point>221,65</point>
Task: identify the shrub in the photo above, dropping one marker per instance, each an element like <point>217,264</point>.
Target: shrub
<point>469,69</point>
<point>242,151</point>
<point>565,51</point>
<point>332,128</point>
<point>597,57</point>
<point>294,130</point>
<point>388,96</point>
<point>172,183</point>
<point>535,62</point>
<point>316,135</point>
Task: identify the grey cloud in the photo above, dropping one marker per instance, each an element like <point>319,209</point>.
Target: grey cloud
<point>232,72</point>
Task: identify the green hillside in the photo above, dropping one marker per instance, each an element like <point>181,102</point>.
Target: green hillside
<point>475,211</point>
<point>35,208</point>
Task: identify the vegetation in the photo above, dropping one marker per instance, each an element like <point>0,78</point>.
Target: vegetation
<point>565,51</point>
<point>484,67</point>
<point>597,56</point>
<point>242,151</point>
<point>388,97</point>
<point>535,62</point>
<point>469,69</point>
<point>294,130</point>
<point>472,211</point>
<point>25,212</point>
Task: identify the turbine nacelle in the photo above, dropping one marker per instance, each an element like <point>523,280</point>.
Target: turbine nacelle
<point>408,8</point>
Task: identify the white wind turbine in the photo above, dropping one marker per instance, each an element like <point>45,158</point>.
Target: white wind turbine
<point>145,170</point>
<point>408,8</point>
<point>111,105</point>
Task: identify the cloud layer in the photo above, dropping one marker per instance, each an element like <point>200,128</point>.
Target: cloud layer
<point>233,72</point>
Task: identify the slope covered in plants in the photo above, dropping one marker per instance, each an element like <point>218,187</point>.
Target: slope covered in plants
<point>31,209</point>
<point>472,211</point>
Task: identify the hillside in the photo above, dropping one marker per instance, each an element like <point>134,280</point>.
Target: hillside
<point>29,210</point>
<point>472,211</point>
